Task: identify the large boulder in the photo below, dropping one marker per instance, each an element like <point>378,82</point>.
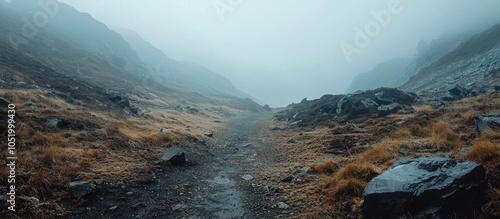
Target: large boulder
<point>434,187</point>
<point>486,122</point>
<point>175,156</point>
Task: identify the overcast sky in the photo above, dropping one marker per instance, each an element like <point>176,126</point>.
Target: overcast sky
<point>280,51</point>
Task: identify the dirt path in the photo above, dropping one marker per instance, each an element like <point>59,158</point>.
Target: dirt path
<point>211,185</point>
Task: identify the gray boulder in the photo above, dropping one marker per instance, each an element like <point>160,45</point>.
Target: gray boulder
<point>80,189</point>
<point>486,122</point>
<point>433,187</point>
<point>175,156</point>
<point>389,109</point>
<point>209,134</point>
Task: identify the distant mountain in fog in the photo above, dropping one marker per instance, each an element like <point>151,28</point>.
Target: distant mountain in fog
<point>396,72</point>
<point>184,75</point>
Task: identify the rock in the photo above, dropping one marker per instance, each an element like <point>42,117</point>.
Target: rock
<point>209,134</point>
<point>114,96</point>
<point>291,141</point>
<point>2,198</point>
<point>369,103</point>
<point>98,181</point>
<point>302,170</point>
<point>192,109</point>
<point>165,130</point>
<point>247,177</point>
<point>179,207</point>
<point>381,98</point>
<point>175,156</point>
<point>113,208</point>
<point>486,122</point>
<point>283,205</point>
<point>130,193</point>
<point>289,178</point>
<point>404,151</point>
<point>267,107</point>
<point>132,144</point>
<point>389,109</point>
<point>53,122</point>
<point>4,104</point>
<point>275,128</point>
<point>340,104</point>
<point>80,189</point>
<point>423,187</point>
<point>497,87</point>
<point>274,189</point>
<point>460,92</point>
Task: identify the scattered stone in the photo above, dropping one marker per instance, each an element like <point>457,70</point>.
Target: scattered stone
<point>165,130</point>
<point>404,151</point>
<point>192,109</point>
<point>433,187</point>
<point>130,193</point>
<point>274,189</point>
<point>247,177</point>
<point>289,178</point>
<point>486,122</point>
<point>132,144</point>
<point>283,205</point>
<point>33,107</point>
<point>302,170</point>
<point>53,122</point>
<point>209,134</point>
<point>291,141</point>
<point>179,207</point>
<point>275,128</point>
<point>80,189</point>
<point>113,208</point>
<point>98,181</point>
<point>175,156</point>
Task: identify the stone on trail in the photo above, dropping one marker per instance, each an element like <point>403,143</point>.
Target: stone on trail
<point>283,205</point>
<point>80,189</point>
<point>209,134</point>
<point>247,177</point>
<point>175,155</point>
<point>434,187</point>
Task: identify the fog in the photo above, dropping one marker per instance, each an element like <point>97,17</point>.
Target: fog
<point>280,52</point>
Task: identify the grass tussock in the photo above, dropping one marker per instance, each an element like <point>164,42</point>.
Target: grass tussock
<point>443,136</point>
<point>327,167</point>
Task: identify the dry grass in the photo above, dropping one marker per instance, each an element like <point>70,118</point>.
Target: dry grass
<point>51,157</point>
<point>443,136</point>
<point>327,167</point>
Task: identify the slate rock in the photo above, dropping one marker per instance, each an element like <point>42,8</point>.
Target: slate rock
<point>80,189</point>
<point>289,178</point>
<point>209,134</point>
<point>165,130</point>
<point>175,156</point>
<point>486,122</point>
<point>434,187</point>
<point>283,205</point>
<point>389,109</point>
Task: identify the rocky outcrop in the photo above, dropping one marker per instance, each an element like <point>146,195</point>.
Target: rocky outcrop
<point>434,187</point>
<point>361,105</point>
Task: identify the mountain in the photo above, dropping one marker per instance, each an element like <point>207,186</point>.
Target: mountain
<point>396,72</point>
<point>187,75</point>
<point>474,63</point>
<point>385,74</point>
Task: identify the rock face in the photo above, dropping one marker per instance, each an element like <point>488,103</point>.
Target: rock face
<point>81,188</point>
<point>487,122</point>
<point>175,156</point>
<point>425,188</point>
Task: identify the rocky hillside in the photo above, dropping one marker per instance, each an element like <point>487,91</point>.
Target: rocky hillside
<point>396,72</point>
<point>473,64</point>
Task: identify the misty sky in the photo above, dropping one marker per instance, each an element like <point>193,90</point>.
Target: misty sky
<point>282,51</point>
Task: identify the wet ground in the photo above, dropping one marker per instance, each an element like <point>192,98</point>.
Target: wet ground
<point>210,185</point>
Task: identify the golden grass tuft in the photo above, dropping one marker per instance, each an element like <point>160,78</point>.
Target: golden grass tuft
<point>328,167</point>
<point>484,152</point>
<point>346,190</point>
<point>423,109</point>
<point>443,136</point>
<point>359,171</point>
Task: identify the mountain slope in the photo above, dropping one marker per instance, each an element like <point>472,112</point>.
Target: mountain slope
<point>184,75</point>
<point>396,72</point>
<point>473,63</point>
